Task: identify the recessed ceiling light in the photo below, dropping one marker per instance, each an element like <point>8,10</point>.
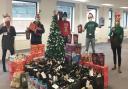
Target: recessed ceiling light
<point>81,0</point>
<point>124,7</point>
<point>107,4</point>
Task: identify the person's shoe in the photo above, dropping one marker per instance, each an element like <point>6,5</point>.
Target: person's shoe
<point>114,68</point>
<point>4,70</point>
<point>119,70</point>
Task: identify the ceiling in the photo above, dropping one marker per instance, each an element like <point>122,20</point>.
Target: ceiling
<point>116,3</point>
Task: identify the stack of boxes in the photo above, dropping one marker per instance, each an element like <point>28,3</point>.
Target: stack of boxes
<point>73,50</point>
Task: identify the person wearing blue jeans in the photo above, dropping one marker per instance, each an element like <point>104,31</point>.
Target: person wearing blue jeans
<point>92,41</point>
<point>90,28</point>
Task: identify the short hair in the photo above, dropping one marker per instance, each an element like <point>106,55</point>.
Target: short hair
<point>90,14</point>
<point>6,15</point>
<point>65,14</point>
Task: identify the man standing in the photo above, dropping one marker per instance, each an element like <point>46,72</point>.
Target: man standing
<point>36,32</point>
<point>64,27</point>
<point>8,38</point>
<point>90,32</point>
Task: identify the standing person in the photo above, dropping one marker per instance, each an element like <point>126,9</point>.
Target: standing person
<point>64,26</point>
<point>90,32</point>
<point>36,33</point>
<point>8,39</point>
<point>116,37</point>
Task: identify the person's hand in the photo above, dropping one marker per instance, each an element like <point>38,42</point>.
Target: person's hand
<point>109,40</point>
<point>35,31</point>
<point>28,29</point>
<point>2,24</point>
<point>38,28</point>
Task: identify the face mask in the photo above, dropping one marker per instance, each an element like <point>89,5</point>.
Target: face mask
<point>7,23</point>
<point>90,19</point>
<point>117,24</point>
<point>37,19</point>
<point>64,18</point>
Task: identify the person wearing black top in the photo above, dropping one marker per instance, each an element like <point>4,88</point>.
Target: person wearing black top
<point>36,36</point>
<point>8,39</point>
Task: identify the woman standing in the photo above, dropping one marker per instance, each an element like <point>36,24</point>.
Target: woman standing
<point>116,38</point>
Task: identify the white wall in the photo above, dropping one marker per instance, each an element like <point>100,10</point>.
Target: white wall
<point>47,7</point>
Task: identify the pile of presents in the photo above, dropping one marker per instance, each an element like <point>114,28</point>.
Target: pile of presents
<point>17,62</point>
<point>73,48</point>
<point>96,61</point>
<point>53,74</point>
<point>76,71</point>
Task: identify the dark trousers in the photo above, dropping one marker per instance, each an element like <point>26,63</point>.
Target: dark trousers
<point>117,52</point>
<point>4,56</point>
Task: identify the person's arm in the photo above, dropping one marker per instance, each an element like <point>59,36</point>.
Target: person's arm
<point>111,31</point>
<point>121,35</point>
<point>13,31</point>
<point>96,25</point>
<point>110,34</point>
<point>1,25</point>
<point>1,30</point>
<point>41,30</point>
<point>85,27</point>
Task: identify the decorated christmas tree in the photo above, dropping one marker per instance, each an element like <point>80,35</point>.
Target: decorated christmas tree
<point>55,43</point>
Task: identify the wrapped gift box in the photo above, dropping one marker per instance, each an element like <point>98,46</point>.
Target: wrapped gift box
<point>78,49</point>
<point>87,57</point>
<point>76,58</point>
<point>11,66</point>
<point>15,82</point>
<point>16,66</point>
<point>41,47</point>
<point>80,28</point>
<point>33,83</point>
<point>98,58</point>
<point>34,48</point>
<point>75,38</point>
<point>37,50</point>
<point>69,38</point>
<point>10,75</point>
<point>73,48</point>
<point>68,57</point>
<point>70,47</point>
<point>19,66</point>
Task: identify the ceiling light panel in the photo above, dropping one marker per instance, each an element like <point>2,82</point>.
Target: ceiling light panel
<point>107,4</point>
<point>81,0</point>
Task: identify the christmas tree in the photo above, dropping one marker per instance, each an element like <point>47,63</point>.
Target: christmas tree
<point>55,43</point>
